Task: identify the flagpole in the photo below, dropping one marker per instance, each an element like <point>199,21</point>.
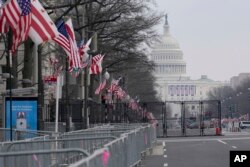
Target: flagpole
<point>40,88</point>
<point>57,101</point>
<point>68,113</point>
<point>10,83</point>
<point>86,98</point>
<point>100,95</point>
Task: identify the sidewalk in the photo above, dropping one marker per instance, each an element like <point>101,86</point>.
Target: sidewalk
<point>154,158</point>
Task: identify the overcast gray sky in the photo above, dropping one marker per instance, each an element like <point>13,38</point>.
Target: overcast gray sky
<point>213,34</point>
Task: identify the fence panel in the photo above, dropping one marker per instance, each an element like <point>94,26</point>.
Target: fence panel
<point>42,158</point>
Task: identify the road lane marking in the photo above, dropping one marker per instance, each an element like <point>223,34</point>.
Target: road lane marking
<point>221,141</point>
<point>165,164</point>
<point>165,149</point>
<point>165,156</point>
<point>163,143</point>
<point>202,139</point>
<point>234,147</point>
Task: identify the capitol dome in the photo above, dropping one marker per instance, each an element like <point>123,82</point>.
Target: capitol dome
<point>167,40</point>
<point>168,57</point>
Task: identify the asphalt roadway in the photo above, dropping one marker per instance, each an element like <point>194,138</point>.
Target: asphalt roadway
<point>206,151</point>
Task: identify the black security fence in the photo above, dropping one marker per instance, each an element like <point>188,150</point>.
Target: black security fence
<point>98,113</point>
<point>172,118</point>
<point>191,118</point>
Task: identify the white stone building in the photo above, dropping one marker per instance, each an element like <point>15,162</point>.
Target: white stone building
<point>173,84</point>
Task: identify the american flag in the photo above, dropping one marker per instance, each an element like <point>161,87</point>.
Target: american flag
<point>114,85</point>
<point>75,62</point>
<point>83,52</point>
<point>42,27</point>
<point>101,87</point>
<point>121,94</point>
<point>96,66</point>
<point>16,14</point>
<point>63,37</point>
<point>133,104</point>
<point>3,24</point>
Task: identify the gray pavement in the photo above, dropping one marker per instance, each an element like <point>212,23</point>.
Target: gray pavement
<point>197,151</point>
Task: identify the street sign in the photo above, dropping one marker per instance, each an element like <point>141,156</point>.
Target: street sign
<point>50,79</point>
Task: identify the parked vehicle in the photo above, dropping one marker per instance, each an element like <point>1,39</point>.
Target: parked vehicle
<point>194,125</point>
<point>244,124</point>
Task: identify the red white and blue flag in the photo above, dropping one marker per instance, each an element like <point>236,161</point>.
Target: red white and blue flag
<point>63,38</point>
<point>66,39</point>
<point>17,15</point>
<point>101,87</point>
<point>74,59</point>
<point>3,24</point>
<point>121,94</point>
<point>42,28</point>
<point>96,66</point>
<point>133,104</point>
<point>83,52</point>
<point>114,85</point>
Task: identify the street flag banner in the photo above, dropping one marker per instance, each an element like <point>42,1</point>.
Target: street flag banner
<point>63,38</point>
<point>42,27</point>
<point>96,66</point>
<point>74,59</point>
<point>16,14</point>
<point>101,87</point>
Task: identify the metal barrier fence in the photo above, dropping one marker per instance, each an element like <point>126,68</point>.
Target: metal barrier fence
<point>124,151</point>
<point>121,144</point>
<point>21,134</point>
<point>87,143</point>
<point>42,158</point>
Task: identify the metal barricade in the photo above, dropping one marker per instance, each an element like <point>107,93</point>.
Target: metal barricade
<point>21,134</point>
<point>124,151</point>
<point>42,158</point>
<point>121,144</point>
<point>87,143</point>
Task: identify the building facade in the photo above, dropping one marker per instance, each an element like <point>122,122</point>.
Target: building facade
<point>173,84</point>
<point>236,81</point>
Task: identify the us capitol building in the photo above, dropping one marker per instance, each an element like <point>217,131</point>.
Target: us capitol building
<point>173,84</point>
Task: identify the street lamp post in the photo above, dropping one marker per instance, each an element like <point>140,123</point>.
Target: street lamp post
<point>107,76</point>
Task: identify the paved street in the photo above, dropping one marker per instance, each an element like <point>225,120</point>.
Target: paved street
<point>197,151</point>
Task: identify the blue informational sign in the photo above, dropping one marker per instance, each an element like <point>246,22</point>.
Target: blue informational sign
<point>24,113</point>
